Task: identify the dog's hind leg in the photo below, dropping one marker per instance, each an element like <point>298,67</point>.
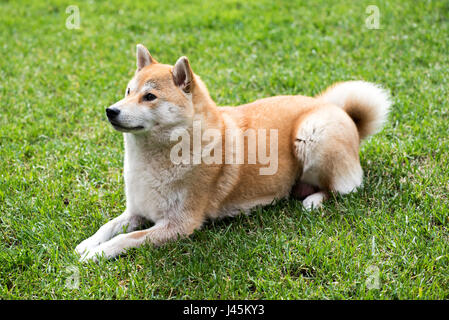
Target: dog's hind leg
<point>109,230</point>
<point>327,143</point>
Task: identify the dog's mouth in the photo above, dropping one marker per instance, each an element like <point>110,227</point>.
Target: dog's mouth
<point>120,127</point>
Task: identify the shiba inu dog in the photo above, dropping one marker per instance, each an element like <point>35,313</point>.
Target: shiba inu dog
<point>315,142</point>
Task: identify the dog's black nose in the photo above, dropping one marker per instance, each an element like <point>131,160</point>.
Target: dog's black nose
<point>112,112</point>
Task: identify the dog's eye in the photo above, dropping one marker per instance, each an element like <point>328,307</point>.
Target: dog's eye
<point>127,91</point>
<point>149,97</point>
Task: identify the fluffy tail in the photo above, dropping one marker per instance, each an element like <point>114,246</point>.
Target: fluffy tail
<point>366,103</point>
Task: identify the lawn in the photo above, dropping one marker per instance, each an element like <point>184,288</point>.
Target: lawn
<point>61,162</point>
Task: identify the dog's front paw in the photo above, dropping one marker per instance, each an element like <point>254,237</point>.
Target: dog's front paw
<point>91,255</point>
<point>86,246</point>
<point>107,249</point>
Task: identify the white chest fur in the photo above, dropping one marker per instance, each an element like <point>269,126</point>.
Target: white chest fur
<point>153,184</point>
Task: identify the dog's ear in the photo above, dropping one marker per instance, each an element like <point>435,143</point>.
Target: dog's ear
<point>144,57</point>
<point>183,75</point>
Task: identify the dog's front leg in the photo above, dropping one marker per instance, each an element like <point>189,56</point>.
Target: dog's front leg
<point>109,230</point>
<point>163,231</point>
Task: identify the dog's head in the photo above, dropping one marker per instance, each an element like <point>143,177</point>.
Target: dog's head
<point>158,98</point>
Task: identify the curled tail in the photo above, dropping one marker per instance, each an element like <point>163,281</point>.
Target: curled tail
<point>366,103</point>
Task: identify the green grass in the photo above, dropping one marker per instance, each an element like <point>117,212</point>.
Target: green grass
<point>61,163</point>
